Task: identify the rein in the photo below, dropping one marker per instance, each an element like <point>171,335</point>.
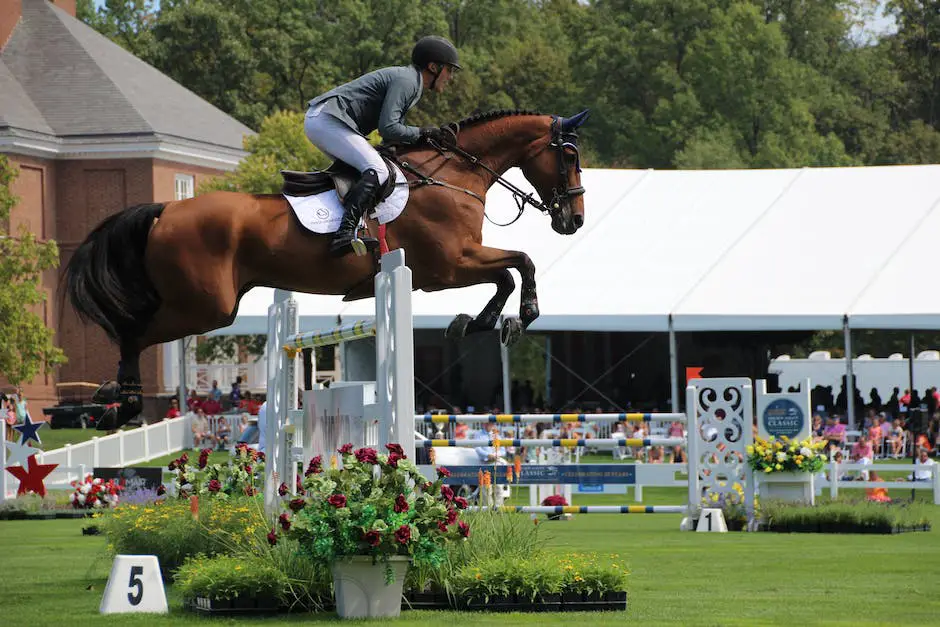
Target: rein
<point>560,140</point>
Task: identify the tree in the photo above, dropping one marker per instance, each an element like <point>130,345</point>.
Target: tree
<point>27,346</point>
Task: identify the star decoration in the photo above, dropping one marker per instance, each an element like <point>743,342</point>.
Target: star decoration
<point>19,453</point>
<point>29,429</point>
<point>31,478</point>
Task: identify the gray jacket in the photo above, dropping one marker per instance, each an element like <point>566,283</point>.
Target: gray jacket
<point>377,100</point>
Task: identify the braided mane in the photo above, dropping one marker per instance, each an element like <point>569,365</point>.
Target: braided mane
<point>486,116</point>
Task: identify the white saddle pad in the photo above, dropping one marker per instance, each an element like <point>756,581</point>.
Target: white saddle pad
<point>322,213</point>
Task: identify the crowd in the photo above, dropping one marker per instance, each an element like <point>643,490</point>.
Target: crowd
<point>212,423</point>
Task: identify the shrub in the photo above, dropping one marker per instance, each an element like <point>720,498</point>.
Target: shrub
<point>227,577</point>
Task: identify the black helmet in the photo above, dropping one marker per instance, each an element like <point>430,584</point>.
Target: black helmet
<point>434,49</point>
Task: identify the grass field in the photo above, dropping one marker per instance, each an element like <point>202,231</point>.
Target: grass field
<point>54,575</point>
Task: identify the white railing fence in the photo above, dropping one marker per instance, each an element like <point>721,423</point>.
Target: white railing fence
<point>843,480</point>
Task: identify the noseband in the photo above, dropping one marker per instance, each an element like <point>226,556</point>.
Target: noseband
<point>561,141</point>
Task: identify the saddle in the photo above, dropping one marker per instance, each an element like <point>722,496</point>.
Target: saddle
<point>339,176</point>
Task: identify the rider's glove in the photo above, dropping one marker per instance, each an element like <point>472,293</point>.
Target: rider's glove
<point>438,135</point>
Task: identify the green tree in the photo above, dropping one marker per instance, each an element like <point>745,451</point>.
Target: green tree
<point>27,347</point>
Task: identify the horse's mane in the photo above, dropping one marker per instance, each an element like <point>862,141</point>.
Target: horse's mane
<point>486,116</point>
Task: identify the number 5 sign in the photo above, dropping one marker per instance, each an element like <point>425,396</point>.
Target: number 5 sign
<point>135,585</point>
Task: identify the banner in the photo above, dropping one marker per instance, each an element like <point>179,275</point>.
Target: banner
<point>583,474</point>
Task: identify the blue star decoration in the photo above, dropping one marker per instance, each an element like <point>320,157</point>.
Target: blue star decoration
<point>29,429</point>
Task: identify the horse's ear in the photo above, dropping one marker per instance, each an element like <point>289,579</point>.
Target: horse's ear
<point>575,121</point>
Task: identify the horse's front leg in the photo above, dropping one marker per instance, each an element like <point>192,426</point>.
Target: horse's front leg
<point>480,264</point>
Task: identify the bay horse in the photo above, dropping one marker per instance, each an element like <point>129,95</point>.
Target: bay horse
<point>158,272</point>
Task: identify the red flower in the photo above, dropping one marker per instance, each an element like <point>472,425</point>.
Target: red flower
<point>284,519</point>
<point>427,486</point>
<point>337,500</point>
<point>297,504</point>
<point>161,490</point>
<point>247,467</point>
<point>396,449</point>
<point>464,529</point>
<point>171,465</point>
<point>214,485</point>
<point>184,458</point>
<point>403,534</point>
<point>206,452</point>
<point>249,491</point>
<point>401,504</point>
<point>315,466</point>
<point>554,500</point>
<point>372,538</point>
<point>443,472</point>
<point>451,516</point>
<point>460,502</point>
<point>442,526</point>
<point>272,537</point>
<point>367,456</point>
<point>447,492</point>
<point>393,459</point>
<point>345,449</point>
<point>298,486</point>
<point>282,489</point>
<point>257,455</point>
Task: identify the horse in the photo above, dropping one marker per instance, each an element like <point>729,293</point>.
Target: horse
<point>158,272</point>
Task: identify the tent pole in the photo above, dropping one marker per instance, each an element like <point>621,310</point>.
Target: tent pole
<point>849,374</point>
<point>673,367</point>
<point>507,387</point>
<point>548,371</point>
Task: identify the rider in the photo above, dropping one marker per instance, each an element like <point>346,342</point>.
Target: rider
<point>337,122</point>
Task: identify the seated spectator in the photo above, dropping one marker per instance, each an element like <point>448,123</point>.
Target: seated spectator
<point>896,440</point>
<point>193,401</point>
<point>875,436</point>
<point>489,454</point>
<point>818,426</point>
<point>677,430</point>
<point>655,455</point>
<point>862,453</point>
<point>201,431</point>
<point>923,459</point>
<point>223,433</point>
<point>174,410</point>
<point>838,458</point>
<point>834,433</point>
<point>212,407</point>
<point>249,404</point>
<point>243,424</point>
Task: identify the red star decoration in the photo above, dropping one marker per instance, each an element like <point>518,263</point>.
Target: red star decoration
<point>31,478</point>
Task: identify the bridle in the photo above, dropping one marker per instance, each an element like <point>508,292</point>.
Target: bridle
<point>563,142</point>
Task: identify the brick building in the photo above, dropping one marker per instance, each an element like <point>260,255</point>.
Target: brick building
<point>93,130</point>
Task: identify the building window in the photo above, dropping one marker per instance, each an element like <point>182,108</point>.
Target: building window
<point>184,186</point>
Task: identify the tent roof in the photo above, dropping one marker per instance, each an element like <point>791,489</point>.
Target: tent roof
<point>728,250</point>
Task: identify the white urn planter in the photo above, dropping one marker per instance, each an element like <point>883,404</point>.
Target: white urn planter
<point>360,589</point>
<point>792,487</point>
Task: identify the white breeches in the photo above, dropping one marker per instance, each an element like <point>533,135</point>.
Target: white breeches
<point>338,141</point>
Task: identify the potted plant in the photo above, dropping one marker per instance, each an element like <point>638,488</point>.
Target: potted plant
<point>785,467</point>
<point>231,584</point>
<point>368,519</point>
<point>95,493</point>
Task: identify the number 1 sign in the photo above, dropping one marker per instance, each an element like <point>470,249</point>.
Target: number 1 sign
<point>135,585</point>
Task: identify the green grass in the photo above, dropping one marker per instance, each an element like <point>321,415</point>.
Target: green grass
<point>57,438</point>
<point>54,575</point>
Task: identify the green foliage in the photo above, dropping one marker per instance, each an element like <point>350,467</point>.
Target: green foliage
<point>225,348</point>
<point>240,476</point>
<point>847,512</point>
<point>227,577</point>
<point>786,455</point>
<point>168,530</point>
<point>27,347</point>
<point>540,574</point>
<point>375,505</point>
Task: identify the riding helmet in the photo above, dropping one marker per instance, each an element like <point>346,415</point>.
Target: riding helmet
<point>434,49</point>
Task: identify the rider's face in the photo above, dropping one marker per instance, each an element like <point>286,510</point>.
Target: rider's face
<point>447,73</point>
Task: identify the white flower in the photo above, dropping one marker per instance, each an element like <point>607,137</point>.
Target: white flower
<point>74,498</point>
<point>781,456</point>
<point>97,481</point>
<point>81,499</point>
<point>97,503</point>
<point>806,452</point>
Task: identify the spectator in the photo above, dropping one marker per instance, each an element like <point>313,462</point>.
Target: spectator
<point>489,454</point>
<point>193,402</point>
<point>235,396</point>
<point>677,430</point>
<point>215,394</point>
<point>896,439</point>
<point>875,435</point>
<point>923,459</point>
<point>818,426</point>
<point>19,400</point>
<point>249,404</point>
<point>223,433</point>
<point>862,453</point>
<point>243,424</point>
<point>834,433</point>
<point>174,410</point>
<point>201,431</point>
<point>262,424</point>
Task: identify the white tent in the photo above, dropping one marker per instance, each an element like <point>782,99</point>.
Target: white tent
<point>727,250</point>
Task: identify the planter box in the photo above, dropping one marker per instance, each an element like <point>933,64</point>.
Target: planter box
<point>240,605</point>
<point>849,529</point>
<point>548,603</point>
<point>567,602</point>
<point>791,487</point>
<point>360,589</point>
<point>426,601</point>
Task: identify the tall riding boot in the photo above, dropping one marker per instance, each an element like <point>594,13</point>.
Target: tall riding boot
<point>359,200</point>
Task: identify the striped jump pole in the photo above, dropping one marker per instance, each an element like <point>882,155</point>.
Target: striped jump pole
<point>553,418</point>
<point>562,442</point>
<point>585,509</point>
<point>356,331</point>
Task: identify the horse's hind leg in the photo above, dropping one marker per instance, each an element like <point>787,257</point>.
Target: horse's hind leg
<point>124,396</point>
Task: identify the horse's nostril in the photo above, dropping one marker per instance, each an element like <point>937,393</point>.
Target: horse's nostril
<point>578,220</point>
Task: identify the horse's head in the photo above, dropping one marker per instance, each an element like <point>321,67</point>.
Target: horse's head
<point>555,172</point>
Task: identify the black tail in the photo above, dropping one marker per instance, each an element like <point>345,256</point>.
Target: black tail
<point>106,280</point>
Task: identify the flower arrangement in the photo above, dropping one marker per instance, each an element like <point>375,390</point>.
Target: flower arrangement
<point>374,505</point>
<point>94,493</point>
<point>554,500</point>
<point>243,475</point>
<point>786,455</point>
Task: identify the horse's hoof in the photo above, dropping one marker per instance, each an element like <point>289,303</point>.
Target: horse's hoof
<point>109,419</point>
<point>107,393</point>
<point>510,332</point>
<point>458,327</point>
<point>528,312</point>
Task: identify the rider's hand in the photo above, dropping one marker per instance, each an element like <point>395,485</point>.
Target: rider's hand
<point>438,135</point>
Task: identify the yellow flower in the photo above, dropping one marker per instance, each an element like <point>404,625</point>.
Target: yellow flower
<point>779,467</point>
<point>479,576</point>
<point>768,469</point>
<point>750,450</point>
<point>238,567</point>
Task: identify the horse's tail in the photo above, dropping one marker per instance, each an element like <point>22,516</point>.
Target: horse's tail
<point>106,280</point>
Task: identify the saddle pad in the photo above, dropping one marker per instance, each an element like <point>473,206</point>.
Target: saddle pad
<point>322,213</point>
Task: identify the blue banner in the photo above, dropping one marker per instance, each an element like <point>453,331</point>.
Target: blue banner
<point>574,474</point>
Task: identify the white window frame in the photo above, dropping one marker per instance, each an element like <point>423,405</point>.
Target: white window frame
<point>185,185</point>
